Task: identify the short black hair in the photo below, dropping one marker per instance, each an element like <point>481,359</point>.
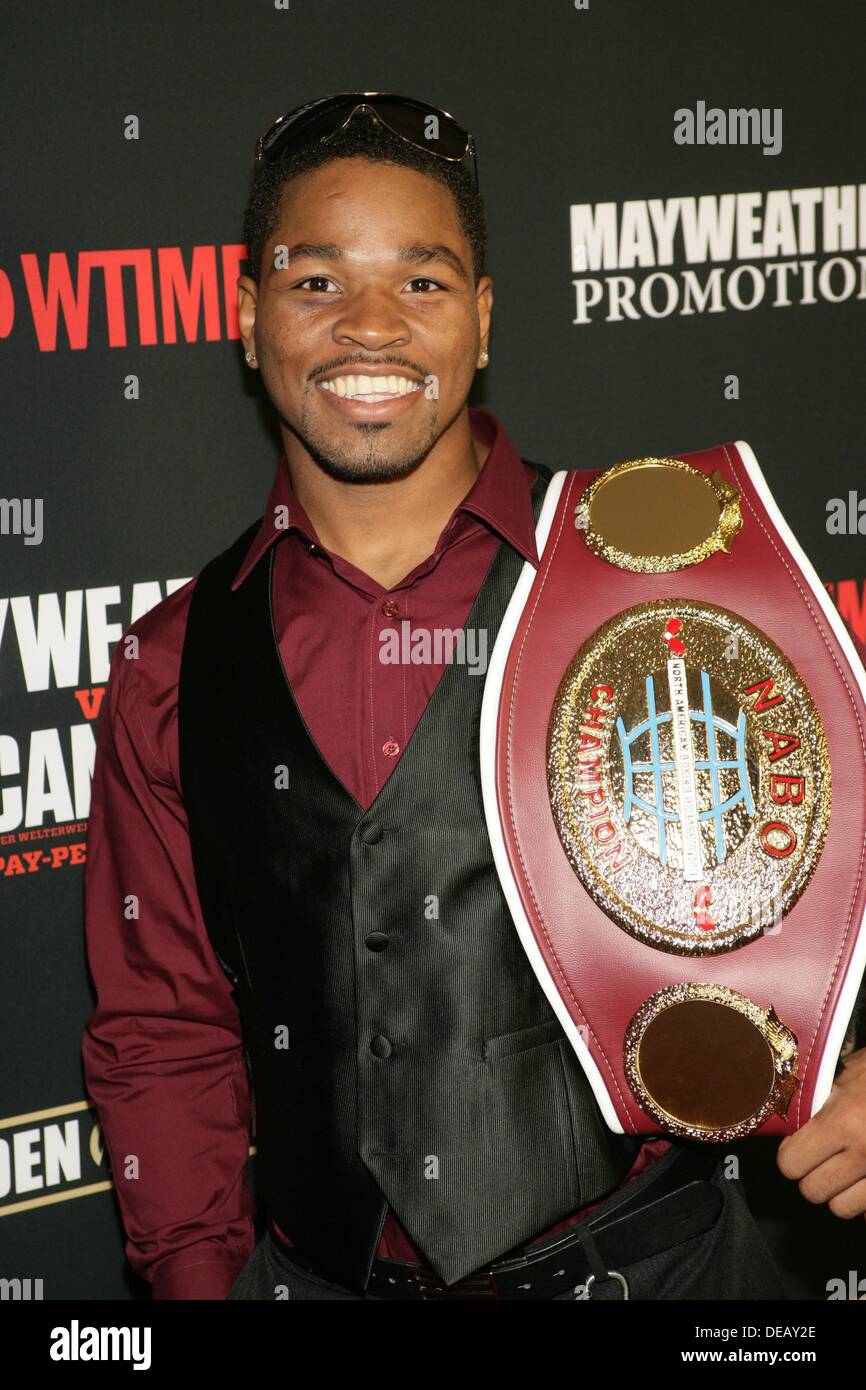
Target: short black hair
<point>366,138</point>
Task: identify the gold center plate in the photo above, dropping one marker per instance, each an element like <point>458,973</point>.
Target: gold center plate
<point>688,775</point>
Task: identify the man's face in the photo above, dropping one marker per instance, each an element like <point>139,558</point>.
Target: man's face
<point>370,287</point>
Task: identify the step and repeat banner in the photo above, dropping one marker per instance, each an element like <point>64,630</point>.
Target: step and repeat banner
<point>676,197</point>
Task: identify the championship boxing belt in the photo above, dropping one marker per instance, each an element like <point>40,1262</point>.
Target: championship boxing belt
<point>674,778</point>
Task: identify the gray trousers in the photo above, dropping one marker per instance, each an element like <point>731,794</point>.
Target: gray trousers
<point>729,1261</point>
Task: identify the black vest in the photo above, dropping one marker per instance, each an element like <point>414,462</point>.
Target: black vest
<point>424,1067</point>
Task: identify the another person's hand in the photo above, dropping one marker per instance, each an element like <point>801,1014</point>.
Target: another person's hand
<point>827,1157</point>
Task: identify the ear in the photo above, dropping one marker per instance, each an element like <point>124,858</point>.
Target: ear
<point>484,303</point>
<point>248,292</point>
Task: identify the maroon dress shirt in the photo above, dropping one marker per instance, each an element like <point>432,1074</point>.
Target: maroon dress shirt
<point>163,1050</point>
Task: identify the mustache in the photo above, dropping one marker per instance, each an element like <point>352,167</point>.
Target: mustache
<point>361,362</point>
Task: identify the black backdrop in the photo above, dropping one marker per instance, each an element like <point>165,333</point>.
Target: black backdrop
<point>143,435</point>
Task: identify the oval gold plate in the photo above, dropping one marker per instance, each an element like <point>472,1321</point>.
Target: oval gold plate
<point>658,514</point>
<point>689,776</point>
<point>708,1063</point>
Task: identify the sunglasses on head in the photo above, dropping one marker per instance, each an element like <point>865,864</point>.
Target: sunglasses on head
<point>419,124</point>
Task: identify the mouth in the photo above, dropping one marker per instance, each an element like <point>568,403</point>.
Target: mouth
<point>361,396</point>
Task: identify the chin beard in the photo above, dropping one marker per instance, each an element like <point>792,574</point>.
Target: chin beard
<point>368,463</point>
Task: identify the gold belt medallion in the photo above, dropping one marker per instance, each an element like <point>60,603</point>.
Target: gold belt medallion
<point>707,1063</point>
<point>653,515</point>
<point>688,775</point>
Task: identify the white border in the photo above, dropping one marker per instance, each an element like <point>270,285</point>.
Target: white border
<point>848,993</point>
<point>488,728</point>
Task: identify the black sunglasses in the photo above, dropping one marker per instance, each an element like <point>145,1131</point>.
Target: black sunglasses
<point>425,126</point>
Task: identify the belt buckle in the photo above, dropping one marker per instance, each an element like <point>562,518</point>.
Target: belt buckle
<point>611,1274</point>
<point>432,1289</point>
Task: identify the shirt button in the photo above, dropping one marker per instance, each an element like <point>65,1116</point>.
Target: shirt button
<point>380,1046</point>
<point>377,941</point>
<point>372,833</point>
<point>390,748</point>
<point>390,608</point>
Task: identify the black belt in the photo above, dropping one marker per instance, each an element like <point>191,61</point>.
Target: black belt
<point>669,1206</point>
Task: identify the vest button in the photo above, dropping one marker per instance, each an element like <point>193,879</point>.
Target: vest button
<point>380,1046</point>
<point>377,941</point>
<point>372,832</point>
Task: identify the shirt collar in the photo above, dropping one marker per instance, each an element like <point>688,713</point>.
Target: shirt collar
<point>499,497</point>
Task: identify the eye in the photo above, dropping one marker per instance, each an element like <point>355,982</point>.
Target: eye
<point>315,280</point>
<point>423,280</point>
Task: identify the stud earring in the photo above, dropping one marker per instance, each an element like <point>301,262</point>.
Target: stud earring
<point>485,356</point>
<point>251,357</point>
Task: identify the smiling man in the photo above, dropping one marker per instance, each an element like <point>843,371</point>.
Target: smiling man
<point>368,330</point>
<point>319,923</point>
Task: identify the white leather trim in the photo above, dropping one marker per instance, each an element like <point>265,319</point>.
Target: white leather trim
<point>488,727</point>
<point>848,995</point>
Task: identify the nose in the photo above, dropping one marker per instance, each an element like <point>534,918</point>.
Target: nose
<point>371,319</point>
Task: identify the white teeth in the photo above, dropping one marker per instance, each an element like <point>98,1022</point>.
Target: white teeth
<point>371,389</point>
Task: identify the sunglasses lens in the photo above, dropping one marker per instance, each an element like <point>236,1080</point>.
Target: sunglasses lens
<point>307,124</point>
<point>424,126</point>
